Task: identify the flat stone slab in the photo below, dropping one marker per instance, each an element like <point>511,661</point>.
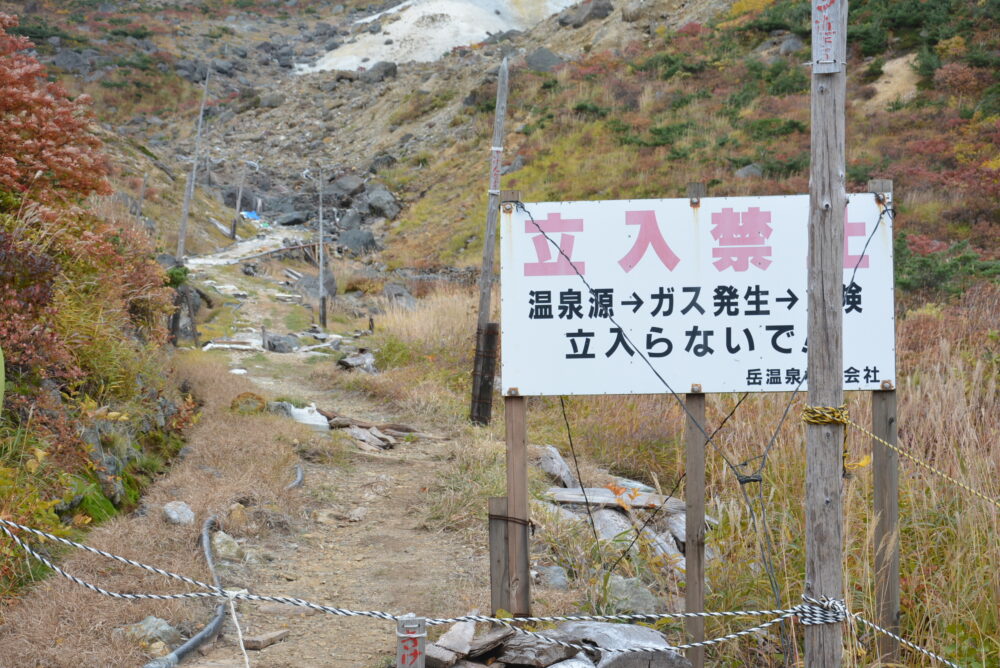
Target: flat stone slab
<point>265,640</point>
<point>602,496</point>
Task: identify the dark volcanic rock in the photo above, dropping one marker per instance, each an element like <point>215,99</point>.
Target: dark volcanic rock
<point>281,343</point>
<point>586,12</point>
<point>358,241</point>
<point>383,202</point>
<point>293,218</point>
<point>381,161</point>
<point>347,186</point>
<point>380,71</point>
<point>543,60</point>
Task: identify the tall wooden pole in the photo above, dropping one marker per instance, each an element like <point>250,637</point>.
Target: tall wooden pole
<point>827,201</point>
<point>489,246</point>
<point>322,281</point>
<point>694,531</point>
<point>239,201</point>
<point>142,197</point>
<point>189,191</point>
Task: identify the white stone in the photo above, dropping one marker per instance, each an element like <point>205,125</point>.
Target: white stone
<point>178,512</point>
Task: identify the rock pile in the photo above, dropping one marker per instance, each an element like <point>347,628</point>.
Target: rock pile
<point>501,646</point>
<point>617,512</point>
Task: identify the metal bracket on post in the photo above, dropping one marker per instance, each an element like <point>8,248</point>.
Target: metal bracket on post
<point>411,641</point>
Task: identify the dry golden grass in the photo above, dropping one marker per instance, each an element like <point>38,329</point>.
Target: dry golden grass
<point>949,391</point>
<point>57,623</point>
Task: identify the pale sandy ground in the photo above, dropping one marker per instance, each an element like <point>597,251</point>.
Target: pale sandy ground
<point>424,30</point>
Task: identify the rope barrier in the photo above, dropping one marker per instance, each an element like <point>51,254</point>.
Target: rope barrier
<point>810,612</point>
<point>924,465</point>
<point>913,646</point>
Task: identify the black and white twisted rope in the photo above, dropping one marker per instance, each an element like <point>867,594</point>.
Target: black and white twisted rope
<point>4,527</point>
<point>811,611</point>
<point>211,591</point>
<point>904,641</point>
<point>509,623</point>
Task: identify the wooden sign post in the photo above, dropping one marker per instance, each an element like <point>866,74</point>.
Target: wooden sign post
<point>827,201</point>
<point>694,529</point>
<point>885,476</point>
<point>516,418</point>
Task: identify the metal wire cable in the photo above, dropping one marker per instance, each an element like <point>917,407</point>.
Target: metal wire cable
<point>694,421</point>
<point>576,463</point>
<point>651,516</point>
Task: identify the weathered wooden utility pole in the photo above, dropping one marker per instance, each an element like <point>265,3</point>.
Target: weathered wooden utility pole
<point>320,254</point>
<point>189,191</point>
<point>482,387</point>
<point>322,245</point>
<point>824,442</point>
<point>142,198</point>
<point>239,194</point>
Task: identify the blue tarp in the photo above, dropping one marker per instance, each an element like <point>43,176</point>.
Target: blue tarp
<point>250,215</point>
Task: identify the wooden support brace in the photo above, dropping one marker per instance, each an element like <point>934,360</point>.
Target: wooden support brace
<point>499,569</point>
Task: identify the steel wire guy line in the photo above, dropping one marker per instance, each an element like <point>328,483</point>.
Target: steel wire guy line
<point>768,563</point>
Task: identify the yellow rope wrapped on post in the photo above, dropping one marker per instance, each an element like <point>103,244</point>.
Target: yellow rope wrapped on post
<point>826,414</point>
<point>829,415</point>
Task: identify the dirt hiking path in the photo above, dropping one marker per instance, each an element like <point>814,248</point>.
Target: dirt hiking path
<point>360,543</point>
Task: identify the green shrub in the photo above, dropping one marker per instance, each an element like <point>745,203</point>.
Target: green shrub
<point>779,168</point>
<point>739,100</point>
<point>139,32</point>
<point>590,108</point>
<point>662,135</point>
<point>926,64</point>
<point>38,30</point>
<point>870,38</point>
<point>785,80</point>
<point>792,16</point>
<point>947,272</point>
<point>873,71</point>
<point>668,65</point>
<point>763,129</point>
<point>989,103</point>
<point>176,276</point>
